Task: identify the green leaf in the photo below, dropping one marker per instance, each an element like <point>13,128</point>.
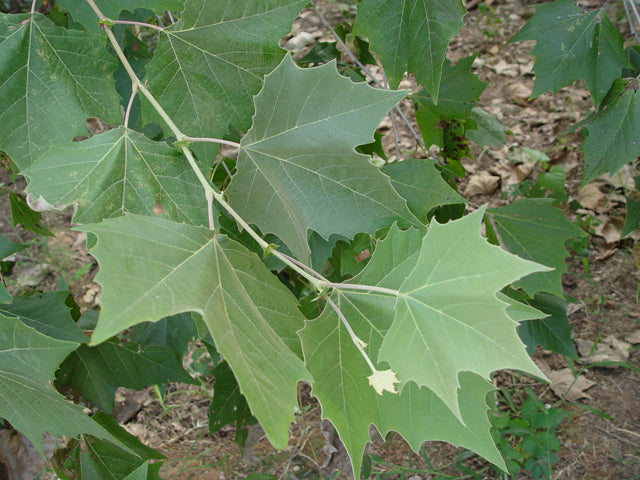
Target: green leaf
<point>116,172</point>
<point>51,80</point>
<point>174,332</point>
<point>48,313</point>
<point>411,35</point>
<point>208,66</point>
<point>534,229</point>
<point>82,13</point>
<point>98,371</point>
<point>553,331</point>
<point>484,129</point>
<point>573,44</point>
<point>28,360</point>
<point>613,131</point>
<point>421,184</point>
<point>228,405</point>
<point>459,93</point>
<point>448,319</point>
<point>632,219</point>
<point>298,170</point>
<point>340,373</point>
<point>21,214</point>
<point>151,268</point>
<point>7,247</point>
<point>132,443</point>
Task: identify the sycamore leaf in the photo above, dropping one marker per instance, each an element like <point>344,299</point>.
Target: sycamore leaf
<point>421,184</point>
<point>534,229</point>
<point>552,331</point>
<point>298,170</point>
<point>459,93</point>
<point>28,361</point>
<point>116,172</point>
<point>98,371</point>
<point>48,313</point>
<point>208,65</point>
<point>448,319</point>
<point>151,268</point>
<point>51,80</point>
<point>614,131</point>
<point>411,35</point>
<point>573,44</point>
<point>82,13</point>
<point>341,374</point>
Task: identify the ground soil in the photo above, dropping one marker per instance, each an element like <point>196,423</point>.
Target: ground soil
<point>601,440</point>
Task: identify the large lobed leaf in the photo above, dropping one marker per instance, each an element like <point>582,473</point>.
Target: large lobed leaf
<point>340,373</point>
<point>614,131</point>
<point>298,170</point>
<point>534,229</point>
<point>116,172</point>
<point>411,35</point>
<point>573,44</point>
<point>51,80</point>
<point>448,319</point>
<point>28,361</point>
<point>151,268</point>
<point>208,65</point>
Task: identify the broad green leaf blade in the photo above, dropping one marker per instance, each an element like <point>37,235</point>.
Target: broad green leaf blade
<point>421,184</point>
<point>613,131</point>
<point>151,268</point>
<point>116,172</point>
<point>28,360</point>
<point>459,93</point>
<point>208,66</point>
<point>534,229</point>
<point>553,331</point>
<point>340,373</point>
<point>51,80</point>
<point>174,332</point>
<point>298,170</point>
<point>82,13</point>
<point>7,247</point>
<point>448,319</point>
<point>228,405</point>
<point>411,35</point>
<point>573,44</point>
<point>48,313</point>
<point>21,214</point>
<point>98,371</point>
<point>485,130</point>
<point>632,218</point>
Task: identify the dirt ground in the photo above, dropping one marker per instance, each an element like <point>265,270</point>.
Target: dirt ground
<point>601,439</point>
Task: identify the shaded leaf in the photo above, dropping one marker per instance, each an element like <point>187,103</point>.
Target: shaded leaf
<point>534,229</point>
<point>298,170</point>
<point>613,131</point>
<point>28,360</point>
<point>573,44</point>
<point>51,80</point>
<point>632,219</point>
<point>151,268</point>
<point>448,319</point>
<point>48,313</point>
<point>421,184</point>
<point>411,35</point>
<point>484,130</point>
<point>459,93</point>
<point>98,371</point>
<point>116,172</point>
<point>7,247</point>
<point>21,214</point>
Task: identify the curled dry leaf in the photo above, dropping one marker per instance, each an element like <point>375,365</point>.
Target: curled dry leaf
<point>611,349</point>
<point>565,385</point>
<point>483,183</point>
<point>591,197</point>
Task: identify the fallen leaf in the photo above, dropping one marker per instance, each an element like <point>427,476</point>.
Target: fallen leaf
<point>610,349</point>
<point>565,385</point>
<point>633,338</point>
<point>483,183</point>
<point>591,197</point>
